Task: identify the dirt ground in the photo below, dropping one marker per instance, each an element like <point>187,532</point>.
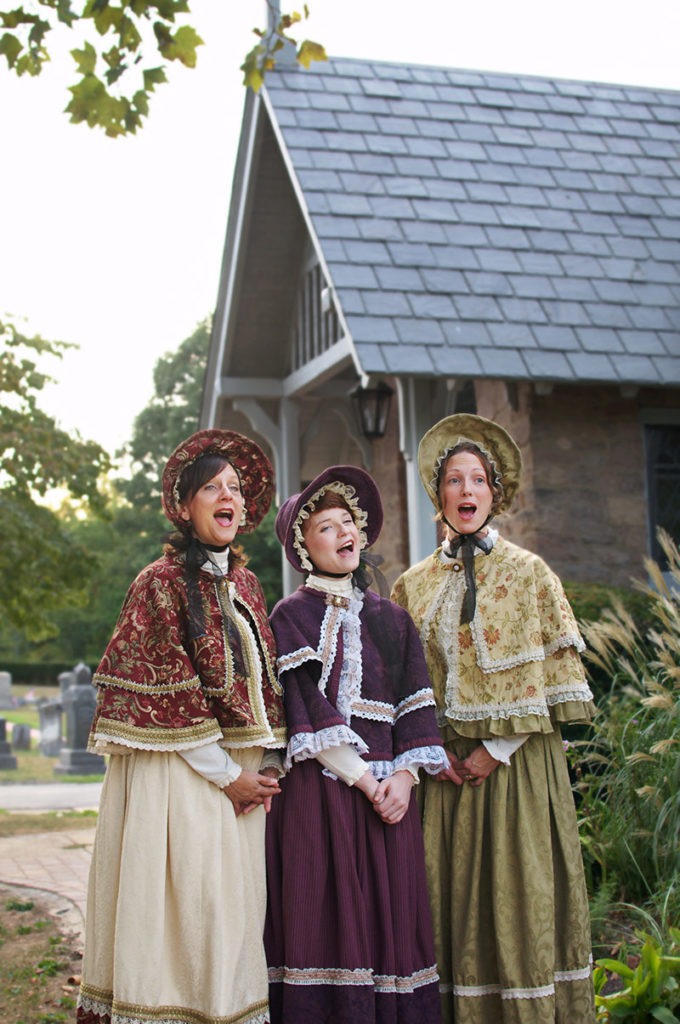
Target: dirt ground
<point>40,958</point>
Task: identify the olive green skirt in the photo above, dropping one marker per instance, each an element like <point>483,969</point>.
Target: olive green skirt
<point>507,892</point>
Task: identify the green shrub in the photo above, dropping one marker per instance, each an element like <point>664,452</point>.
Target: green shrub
<point>651,988</point>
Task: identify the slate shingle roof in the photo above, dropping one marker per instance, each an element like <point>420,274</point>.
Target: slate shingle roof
<point>481,224</point>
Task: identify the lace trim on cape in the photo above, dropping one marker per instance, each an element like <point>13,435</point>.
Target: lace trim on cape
<point>304,745</point>
<point>380,983</point>
<point>360,518</point>
<point>381,711</point>
<point>351,672</point>
<point>488,664</point>
<point>325,651</point>
<point>268,740</point>
<point>476,712</point>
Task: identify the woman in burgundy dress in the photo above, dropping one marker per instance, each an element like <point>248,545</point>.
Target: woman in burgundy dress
<point>348,934</point>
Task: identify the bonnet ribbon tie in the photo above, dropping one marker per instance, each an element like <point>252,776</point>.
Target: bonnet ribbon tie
<point>465,543</point>
<point>368,574</point>
<point>197,554</point>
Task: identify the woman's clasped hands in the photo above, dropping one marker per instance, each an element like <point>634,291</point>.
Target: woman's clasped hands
<point>476,767</point>
<point>251,789</point>
<point>391,797</point>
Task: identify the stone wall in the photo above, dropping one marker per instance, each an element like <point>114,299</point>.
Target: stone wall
<point>583,502</point>
<point>388,473</point>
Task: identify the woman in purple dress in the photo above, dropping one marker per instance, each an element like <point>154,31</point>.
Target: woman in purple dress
<point>348,934</point>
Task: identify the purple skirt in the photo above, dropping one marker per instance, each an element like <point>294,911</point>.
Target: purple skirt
<point>348,935</point>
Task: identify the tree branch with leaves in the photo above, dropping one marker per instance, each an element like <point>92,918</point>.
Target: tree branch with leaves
<point>126,49</point>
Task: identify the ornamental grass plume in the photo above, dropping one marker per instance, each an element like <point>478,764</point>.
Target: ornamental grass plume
<point>628,778</point>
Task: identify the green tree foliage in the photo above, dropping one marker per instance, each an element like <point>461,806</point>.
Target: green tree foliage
<point>108,548</point>
<point>131,535</point>
<point>127,48</point>
<point>262,57</point>
<point>42,567</point>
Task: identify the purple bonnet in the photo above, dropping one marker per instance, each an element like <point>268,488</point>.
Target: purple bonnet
<point>358,489</point>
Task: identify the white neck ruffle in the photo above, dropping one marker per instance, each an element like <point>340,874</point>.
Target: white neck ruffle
<point>217,563</point>
<point>343,587</point>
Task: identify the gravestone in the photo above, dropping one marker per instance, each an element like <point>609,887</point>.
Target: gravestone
<point>83,674</point>
<point>65,679</point>
<point>7,758</point>
<point>5,691</point>
<point>49,712</point>
<point>79,703</point>
<point>21,736</point>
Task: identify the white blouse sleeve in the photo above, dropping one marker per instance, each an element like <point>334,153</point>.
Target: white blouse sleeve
<point>344,762</point>
<point>503,747</point>
<point>213,763</point>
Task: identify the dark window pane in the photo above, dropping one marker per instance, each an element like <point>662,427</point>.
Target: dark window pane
<point>663,482</point>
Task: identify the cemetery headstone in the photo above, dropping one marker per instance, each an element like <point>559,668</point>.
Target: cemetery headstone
<point>65,679</point>
<point>21,736</point>
<point>49,712</point>
<point>79,703</point>
<point>7,758</point>
<point>5,691</point>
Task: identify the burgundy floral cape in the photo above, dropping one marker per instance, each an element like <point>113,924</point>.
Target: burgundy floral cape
<point>161,690</point>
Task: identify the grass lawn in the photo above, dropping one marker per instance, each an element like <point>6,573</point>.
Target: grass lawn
<point>32,766</point>
<point>27,714</point>
<point>14,823</point>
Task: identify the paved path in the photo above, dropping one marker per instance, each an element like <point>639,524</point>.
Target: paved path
<point>56,862</point>
<point>50,796</point>
<point>52,863</point>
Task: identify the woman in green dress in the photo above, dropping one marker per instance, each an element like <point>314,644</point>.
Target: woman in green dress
<point>503,857</point>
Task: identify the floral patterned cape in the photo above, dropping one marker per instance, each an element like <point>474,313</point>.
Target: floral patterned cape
<point>159,690</point>
<point>516,667</point>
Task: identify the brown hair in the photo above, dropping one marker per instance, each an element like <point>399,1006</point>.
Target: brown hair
<point>329,499</point>
<point>199,472</point>
<point>491,477</point>
<point>191,480</point>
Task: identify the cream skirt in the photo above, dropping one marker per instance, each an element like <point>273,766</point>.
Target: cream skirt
<point>176,899</point>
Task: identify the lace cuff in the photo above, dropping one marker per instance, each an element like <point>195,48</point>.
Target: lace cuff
<point>309,744</point>
<point>432,759</point>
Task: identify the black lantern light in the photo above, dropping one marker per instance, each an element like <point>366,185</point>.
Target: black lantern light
<point>372,407</point>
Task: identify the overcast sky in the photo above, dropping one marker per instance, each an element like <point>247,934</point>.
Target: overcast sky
<point>115,245</point>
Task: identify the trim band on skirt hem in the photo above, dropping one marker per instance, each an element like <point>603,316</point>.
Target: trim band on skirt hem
<point>101,1007</point>
<point>382,983</point>
<point>539,992</point>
